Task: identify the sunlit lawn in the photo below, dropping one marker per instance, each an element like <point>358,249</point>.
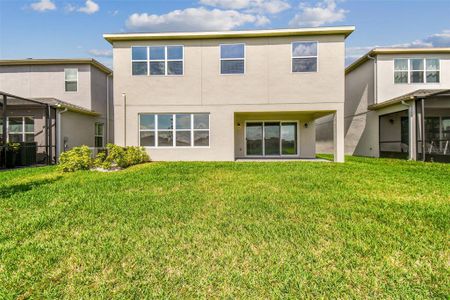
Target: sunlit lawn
<point>366,228</point>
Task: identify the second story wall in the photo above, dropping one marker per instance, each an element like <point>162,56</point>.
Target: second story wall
<point>387,89</point>
<point>359,89</point>
<point>34,81</point>
<point>268,78</point>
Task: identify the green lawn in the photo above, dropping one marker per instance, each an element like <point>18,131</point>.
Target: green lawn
<point>366,228</point>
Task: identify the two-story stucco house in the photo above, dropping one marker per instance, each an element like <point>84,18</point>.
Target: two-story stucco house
<point>397,104</point>
<point>78,94</point>
<point>222,96</point>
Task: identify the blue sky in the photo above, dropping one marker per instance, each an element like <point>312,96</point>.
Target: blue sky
<point>74,28</point>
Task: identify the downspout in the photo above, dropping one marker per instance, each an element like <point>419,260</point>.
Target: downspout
<point>58,131</point>
<point>375,80</point>
<point>124,96</point>
<point>375,100</point>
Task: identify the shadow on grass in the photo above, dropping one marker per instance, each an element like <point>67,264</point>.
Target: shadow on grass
<point>9,190</point>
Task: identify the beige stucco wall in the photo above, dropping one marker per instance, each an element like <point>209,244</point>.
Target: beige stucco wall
<point>268,85</point>
<point>77,129</point>
<point>386,89</point>
<point>36,81</point>
<point>359,93</point>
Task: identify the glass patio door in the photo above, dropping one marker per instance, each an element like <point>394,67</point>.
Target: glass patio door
<point>254,138</point>
<point>271,138</point>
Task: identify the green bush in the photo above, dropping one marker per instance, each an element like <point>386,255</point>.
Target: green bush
<point>124,157</point>
<point>77,158</point>
<point>80,158</point>
<point>135,155</point>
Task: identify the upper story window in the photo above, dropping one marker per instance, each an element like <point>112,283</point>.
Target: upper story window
<point>71,80</point>
<point>232,59</point>
<point>416,70</point>
<point>304,57</point>
<point>157,60</point>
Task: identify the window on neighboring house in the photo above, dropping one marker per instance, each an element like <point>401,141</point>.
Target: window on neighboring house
<point>99,134</point>
<point>20,129</point>
<point>401,71</point>
<point>432,68</point>
<point>174,130</point>
<point>416,70</point>
<point>232,59</point>
<point>71,80</point>
<point>157,60</point>
<point>304,57</point>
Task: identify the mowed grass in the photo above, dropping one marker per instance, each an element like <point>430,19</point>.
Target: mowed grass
<point>367,228</point>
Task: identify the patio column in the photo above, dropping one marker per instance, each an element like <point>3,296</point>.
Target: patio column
<point>338,135</point>
<point>5,99</point>
<point>4,134</point>
<point>412,131</point>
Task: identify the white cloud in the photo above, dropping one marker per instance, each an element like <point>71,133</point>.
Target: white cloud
<point>193,19</point>
<point>43,5</point>
<point>255,6</point>
<point>100,53</point>
<point>89,8</point>
<point>441,39</point>
<point>324,12</point>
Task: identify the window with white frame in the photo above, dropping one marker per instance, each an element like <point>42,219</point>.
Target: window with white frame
<point>232,59</point>
<point>174,130</point>
<point>401,70</point>
<point>416,70</point>
<point>139,60</point>
<point>304,57</point>
<point>157,60</point>
<point>71,80</point>
<point>20,129</point>
<point>99,135</point>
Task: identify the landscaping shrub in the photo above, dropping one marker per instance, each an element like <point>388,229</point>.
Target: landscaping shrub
<point>123,157</point>
<point>135,155</point>
<point>80,158</point>
<point>77,158</point>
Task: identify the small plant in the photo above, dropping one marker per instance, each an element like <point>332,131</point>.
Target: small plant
<point>13,147</point>
<point>77,158</point>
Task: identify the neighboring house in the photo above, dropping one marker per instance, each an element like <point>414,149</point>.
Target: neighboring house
<point>396,98</point>
<point>229,95</point>
<point>73,95</point>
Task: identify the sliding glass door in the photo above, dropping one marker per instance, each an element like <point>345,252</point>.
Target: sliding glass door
<point>271,138</point>
<point>254,134</point>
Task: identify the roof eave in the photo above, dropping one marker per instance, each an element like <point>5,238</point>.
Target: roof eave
<point>69,61</point>
<point>377,51</point>
<point>345,30</point>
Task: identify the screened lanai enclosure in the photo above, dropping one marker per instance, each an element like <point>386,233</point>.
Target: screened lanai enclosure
<point>420,132</point>
<point>27,132</point>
